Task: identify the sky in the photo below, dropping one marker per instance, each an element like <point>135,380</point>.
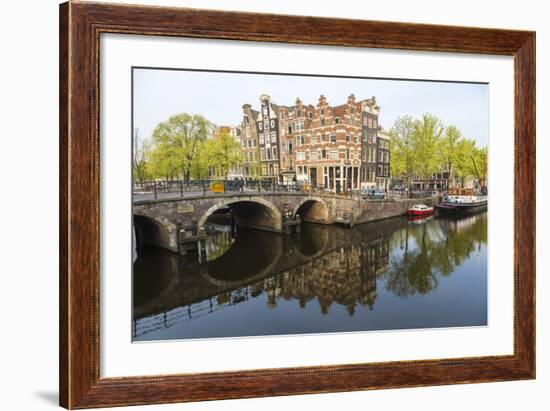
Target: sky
<point>218,96</point>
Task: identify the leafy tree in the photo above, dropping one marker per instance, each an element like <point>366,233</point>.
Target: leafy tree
<point>177,145</point>
<point>449,151</point>
<point>140,157</point>
<point>223,153</point>
<point>402,148</point>
<point>427,133</point>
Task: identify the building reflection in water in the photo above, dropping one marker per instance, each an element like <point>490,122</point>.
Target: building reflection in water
<point>323,266</point>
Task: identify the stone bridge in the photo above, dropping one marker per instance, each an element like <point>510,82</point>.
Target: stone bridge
<point>169,221</point>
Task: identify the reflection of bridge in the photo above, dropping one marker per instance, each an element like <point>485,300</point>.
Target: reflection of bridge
<point>267,255</point>
<point>165,222</point>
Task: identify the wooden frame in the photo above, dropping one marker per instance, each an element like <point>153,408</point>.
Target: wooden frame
<point>80,27</point>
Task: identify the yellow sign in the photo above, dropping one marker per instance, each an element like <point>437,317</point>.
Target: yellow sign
<point>217,188</point>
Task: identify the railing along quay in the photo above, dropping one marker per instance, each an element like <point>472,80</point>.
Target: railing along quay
<point>181,188</point>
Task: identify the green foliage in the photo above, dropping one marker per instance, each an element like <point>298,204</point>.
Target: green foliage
<point>425,146</point>
<point>223,153</point>
<point>177,144</point>
<point>184,146</point>
<point>140,158</point>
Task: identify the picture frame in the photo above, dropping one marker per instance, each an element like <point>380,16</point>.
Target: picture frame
<point>81,24</point>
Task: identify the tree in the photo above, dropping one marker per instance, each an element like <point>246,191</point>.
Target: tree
<point>427,133</point>
<point>402,148</point>
<point>177,144</point>
<point>223,153</point>
<point>141,151</point>
<point>448,151</point>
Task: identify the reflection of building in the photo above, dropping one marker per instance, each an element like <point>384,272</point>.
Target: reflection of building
<point>336,147</point>
<point>345,277</point>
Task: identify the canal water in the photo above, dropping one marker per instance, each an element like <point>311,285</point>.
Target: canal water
<point>386,275</point>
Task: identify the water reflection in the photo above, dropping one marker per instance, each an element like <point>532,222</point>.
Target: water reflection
<point>384,275</point>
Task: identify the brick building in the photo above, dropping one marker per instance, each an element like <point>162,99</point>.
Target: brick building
<point>337,147</point>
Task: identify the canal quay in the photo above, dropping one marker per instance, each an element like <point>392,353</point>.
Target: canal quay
<point>349,265</point>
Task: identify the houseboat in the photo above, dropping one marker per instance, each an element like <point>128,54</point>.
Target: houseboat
<point>462,201</point>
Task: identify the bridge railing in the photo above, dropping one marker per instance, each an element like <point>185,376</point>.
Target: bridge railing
<point>180,188</point>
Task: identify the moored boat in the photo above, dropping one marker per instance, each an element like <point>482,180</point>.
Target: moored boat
<point>420,209</point>
<point>463,201</point>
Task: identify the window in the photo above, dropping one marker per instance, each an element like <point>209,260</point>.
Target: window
<point>355,138</point>
<point>324,138</point>
<point>300,155</point>
<point>313,155</point>
<point>299,113</point>
<point>380,155</point>
<point>290,147</point>
<point>272,123</point>
<point>299,125</point>
<point>337,120</point>
<point>261,138</point>
<point>264,109</point>
<point>267,153</point>
<point>262,155</point>
<point>274,153</point>
<point>333,154</point>
<point>289,129</point>
<point>333,138</point>
<point>348,138</point>
<point>253,142</point>
<point>260,126</point>
<point>313,139</point>
<point>323,153</point>
<point>310,114</point>
<point>322,121</point>
<point>322,112</point>
<point>246,120</point>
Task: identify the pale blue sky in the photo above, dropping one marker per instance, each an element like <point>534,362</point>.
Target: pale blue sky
<point>158,94</point>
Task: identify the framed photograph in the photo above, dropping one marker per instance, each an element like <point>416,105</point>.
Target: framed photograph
<point>259,205</point>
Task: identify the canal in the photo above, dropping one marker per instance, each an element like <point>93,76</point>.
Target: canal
<point>387,275</point>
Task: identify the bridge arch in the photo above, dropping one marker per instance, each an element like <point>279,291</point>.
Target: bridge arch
<point>253,212</point>
<point>313,209</point>
<point>157,231</point>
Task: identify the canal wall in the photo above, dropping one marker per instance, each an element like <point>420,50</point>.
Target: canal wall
<point>380,210</point>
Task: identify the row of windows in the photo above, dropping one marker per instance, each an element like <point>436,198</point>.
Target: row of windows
<point>268,139</point>
<point>270,169</point>
<point>250,143</point>
<point>383,156</point>
<point>333,154</point>
<point>383,170</point>
<point>325,138</point>
<point>268,153</point>
<point>266,124</point>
